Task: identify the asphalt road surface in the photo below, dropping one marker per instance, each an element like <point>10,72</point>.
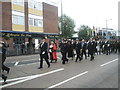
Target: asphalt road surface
<point>99,73</point>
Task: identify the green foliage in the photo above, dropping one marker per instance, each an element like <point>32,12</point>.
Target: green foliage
<point>66,26</point>
<point>84,32</point>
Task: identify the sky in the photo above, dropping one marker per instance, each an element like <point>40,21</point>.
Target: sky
<point>90,12</point>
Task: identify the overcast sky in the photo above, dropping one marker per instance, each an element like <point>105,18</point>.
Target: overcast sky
<point>91,12</point>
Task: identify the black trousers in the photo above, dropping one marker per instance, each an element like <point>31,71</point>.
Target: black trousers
<point>78,55</point>
<point>64,58</point>
<point>84,52</point>
<point>41,61</point>
<point>3,66</point>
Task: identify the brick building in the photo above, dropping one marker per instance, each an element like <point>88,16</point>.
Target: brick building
<point>27,22</point>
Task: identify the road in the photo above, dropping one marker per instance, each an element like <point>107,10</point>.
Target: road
<point>99,73</point>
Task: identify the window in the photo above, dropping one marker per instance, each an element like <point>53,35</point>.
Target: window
<point>31,22</point>
<point>40,23</point>
<point>18,2</point>
<point>34,4</point>
<point>14,19</point>
<point>31,4</point>
<point>17,19</point>
<point>35,22</point>
<point>21,20</point>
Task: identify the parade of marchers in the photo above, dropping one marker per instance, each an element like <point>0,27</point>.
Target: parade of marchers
<point>77,50</point>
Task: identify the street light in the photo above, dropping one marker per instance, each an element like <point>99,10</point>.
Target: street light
<point>107,23</point>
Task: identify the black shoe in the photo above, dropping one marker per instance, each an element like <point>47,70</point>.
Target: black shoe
<point>51,61</point>
<point>4,83</point>
<point>4,78</point>
<point>48,66</point>
<point>8,70</point>
<point>39,67</point>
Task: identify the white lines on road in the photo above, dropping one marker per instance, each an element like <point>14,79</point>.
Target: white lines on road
<point>29,78</point>
<point>16,63</point>
<point>109,62</point>
<point>53,86</point>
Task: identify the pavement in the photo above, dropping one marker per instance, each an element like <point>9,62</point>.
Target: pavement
<point>99,73</point>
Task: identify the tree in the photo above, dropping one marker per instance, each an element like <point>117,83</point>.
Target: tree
<point>84,32</point>
<point>66,26</point>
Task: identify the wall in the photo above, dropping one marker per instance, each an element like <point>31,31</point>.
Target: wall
<point>50,18</point>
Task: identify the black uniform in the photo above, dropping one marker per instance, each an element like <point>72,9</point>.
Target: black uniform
<point>91,49</point>
<point>70,50</point>
<point>84,47</point>
<point>77,48</point>
<point>43,54</point>
<point>64,50</point>
<point>4,48</point>
<point>107,48</point>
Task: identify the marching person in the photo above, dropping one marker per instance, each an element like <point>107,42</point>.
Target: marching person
<point>70,50</point>
<point>4,57</point>
<point>83,47</point>
<point>43,53</point>
<point>2,75</point>
<point>77,48</point>
<point>91,49</point>
<point>52,51</point>
<point>64,50</point>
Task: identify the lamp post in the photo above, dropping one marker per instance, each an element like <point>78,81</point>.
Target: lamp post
<point>107,23</point>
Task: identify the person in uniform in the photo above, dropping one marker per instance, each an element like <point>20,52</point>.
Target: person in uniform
<point>78,52</point>
<point>2,75</point>
<point>43,53</point>
<point>70,50</point>
<point>91,49</point>
<point>4,57</point>
<point>64,50</point>
<point>83,48</point>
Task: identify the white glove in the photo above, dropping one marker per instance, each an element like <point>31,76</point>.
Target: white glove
<point>50,50</point>
<point>43,52</point>
<point>51,46</point>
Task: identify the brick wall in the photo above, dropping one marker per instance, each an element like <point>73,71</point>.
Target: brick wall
<point>6,16</point>
<point>50,18</point>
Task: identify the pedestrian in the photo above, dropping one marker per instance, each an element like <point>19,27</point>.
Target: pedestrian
<point>43,46</point>
<point>64,50</point>
<point>91,49</point>
<point>4,57</point>
<point>83,48</point>
<point>23,48</point>
<point>52,51</point>
<point>78,52</point>
<point>70,50</point>
<point>2,75</point>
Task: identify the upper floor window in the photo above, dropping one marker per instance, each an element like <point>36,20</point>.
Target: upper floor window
<point>18,19</point>
<point>35,22</point>
<point>18,2</point>
<point>35,4</point>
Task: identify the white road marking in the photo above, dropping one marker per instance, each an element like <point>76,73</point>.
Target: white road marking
<point>16,63</point>
<point>28,64</point>
<point>53,86</point>
<point>31,77</point>
<point>109,62</point>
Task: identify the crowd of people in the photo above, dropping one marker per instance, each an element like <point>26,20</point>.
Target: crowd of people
<point>74,49</point>
<point>80,48</point>
<point>70,48</point>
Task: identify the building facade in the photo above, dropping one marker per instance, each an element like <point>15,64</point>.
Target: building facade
<point>26,22</point>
